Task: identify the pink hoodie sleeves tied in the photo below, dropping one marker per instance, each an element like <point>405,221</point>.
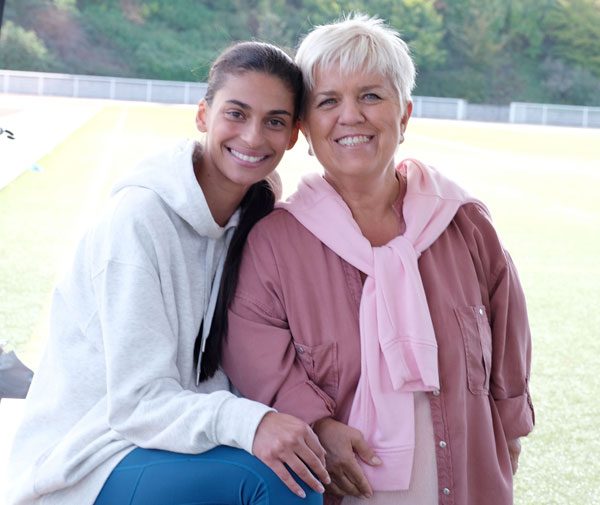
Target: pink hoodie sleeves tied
<point>398,345</point>
<point>407,344</point>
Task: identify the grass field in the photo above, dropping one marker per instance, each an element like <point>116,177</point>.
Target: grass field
<point>542,185</point>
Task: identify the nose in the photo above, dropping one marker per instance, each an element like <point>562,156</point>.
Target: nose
<point>252,134</point>
<point>350,112</point>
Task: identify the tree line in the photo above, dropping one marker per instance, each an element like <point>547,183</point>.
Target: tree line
<point>496,51</point>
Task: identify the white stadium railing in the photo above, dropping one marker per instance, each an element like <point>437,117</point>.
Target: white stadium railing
<point>552,114</point>
<point>118,88</point>
<point>113,88</point>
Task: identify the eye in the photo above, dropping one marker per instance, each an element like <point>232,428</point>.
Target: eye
<point>276,122</point>
<point>371,97</point>
<point>234,114</point>
<point>326,102</point>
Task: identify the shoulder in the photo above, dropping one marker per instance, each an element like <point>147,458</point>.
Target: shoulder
<point>279,240</point>
<point>276,226</point>
<point>475,213</point>
<point>134,227</point>
<point>136,209</point>
<point>482,240</point>
<point>136,202</point>
<point>475,221</point>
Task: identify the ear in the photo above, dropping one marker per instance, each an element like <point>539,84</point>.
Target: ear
<point>202,116</point>
<point>307,137</point>
<point>294,135</point>
<point>406,116</point>
<point>303,129</point>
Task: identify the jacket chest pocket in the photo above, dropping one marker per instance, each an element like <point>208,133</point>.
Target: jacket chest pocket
<point>321,365</point>
<point>477,340</point>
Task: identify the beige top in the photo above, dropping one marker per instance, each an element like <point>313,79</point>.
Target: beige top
<point>423,484</point>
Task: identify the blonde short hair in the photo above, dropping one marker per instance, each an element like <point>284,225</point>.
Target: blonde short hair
<point>358,43</point>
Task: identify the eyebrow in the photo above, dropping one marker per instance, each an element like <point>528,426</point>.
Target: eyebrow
<point>245,106</point>
<point>361,89</point>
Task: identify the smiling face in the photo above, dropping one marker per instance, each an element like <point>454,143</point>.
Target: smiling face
<point>354,123</point>
<point>249,125</point>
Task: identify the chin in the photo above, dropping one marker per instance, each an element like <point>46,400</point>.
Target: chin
<point>244,180</point>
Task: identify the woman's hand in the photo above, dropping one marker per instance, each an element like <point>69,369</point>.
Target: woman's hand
<point>514,449</point>
<point>282,440</point>
<point>342,444</point>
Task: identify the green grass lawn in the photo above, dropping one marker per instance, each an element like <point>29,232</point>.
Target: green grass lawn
<point>44,213</point>
<point>542,185</point>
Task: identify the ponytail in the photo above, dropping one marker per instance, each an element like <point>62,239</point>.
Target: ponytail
<point>260,198</point>
<point>257,203</point>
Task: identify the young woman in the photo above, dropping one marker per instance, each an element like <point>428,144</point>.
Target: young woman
<point>124,407</point>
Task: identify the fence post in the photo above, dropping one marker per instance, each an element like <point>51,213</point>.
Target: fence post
<point>544,113</point>
<point>40,84</point>
<point>461,110</point>
<point>419,106</point>
<point>585,117</point>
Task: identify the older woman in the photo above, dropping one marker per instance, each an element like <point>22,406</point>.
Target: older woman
<point>380,296</point>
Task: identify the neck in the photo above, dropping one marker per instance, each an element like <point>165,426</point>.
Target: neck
<point>222,196</point>
<point>367,196</point>
<point>371,202</point>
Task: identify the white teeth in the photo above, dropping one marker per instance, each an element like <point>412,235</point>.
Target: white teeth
<point>352,141</point>
<point>243,157</point>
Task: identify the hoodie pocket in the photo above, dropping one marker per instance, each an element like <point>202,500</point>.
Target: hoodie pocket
<point>477,340</point>
<point>321,365</point>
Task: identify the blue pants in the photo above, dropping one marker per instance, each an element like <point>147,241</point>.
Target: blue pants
<point>221,476</point>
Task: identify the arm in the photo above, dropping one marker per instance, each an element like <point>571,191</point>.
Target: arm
<point>511,360</point>
<point>511,353</point>
<point>511,338</point>
<point>258,353</point>
<point>260,358</point>
<point>147,403</point>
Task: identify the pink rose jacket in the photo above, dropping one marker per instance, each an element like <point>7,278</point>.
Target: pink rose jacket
<point>294,341</point>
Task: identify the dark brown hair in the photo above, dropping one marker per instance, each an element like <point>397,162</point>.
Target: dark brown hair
<point>260,198</point>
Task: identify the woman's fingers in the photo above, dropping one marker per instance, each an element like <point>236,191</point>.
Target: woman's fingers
<point>316,449</point>
<point>286,477</point>
<point>301,470</point>
<point>342,444</point>
<point>347,486</point>
<point>282,440</point>
<point>514,450</point>
<point>363,451</point>
<point>333,488</point>
<point>308,460</point>
<point>354,475</point>
<point>349,478</point>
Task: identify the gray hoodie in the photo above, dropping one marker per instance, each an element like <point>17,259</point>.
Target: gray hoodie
<point>118,369</point>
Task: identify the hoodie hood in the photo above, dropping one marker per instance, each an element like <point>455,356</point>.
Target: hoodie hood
<point>170,174</point>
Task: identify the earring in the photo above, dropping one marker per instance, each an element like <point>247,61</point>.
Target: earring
<point>310,151</point>
<point>401,139</point>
